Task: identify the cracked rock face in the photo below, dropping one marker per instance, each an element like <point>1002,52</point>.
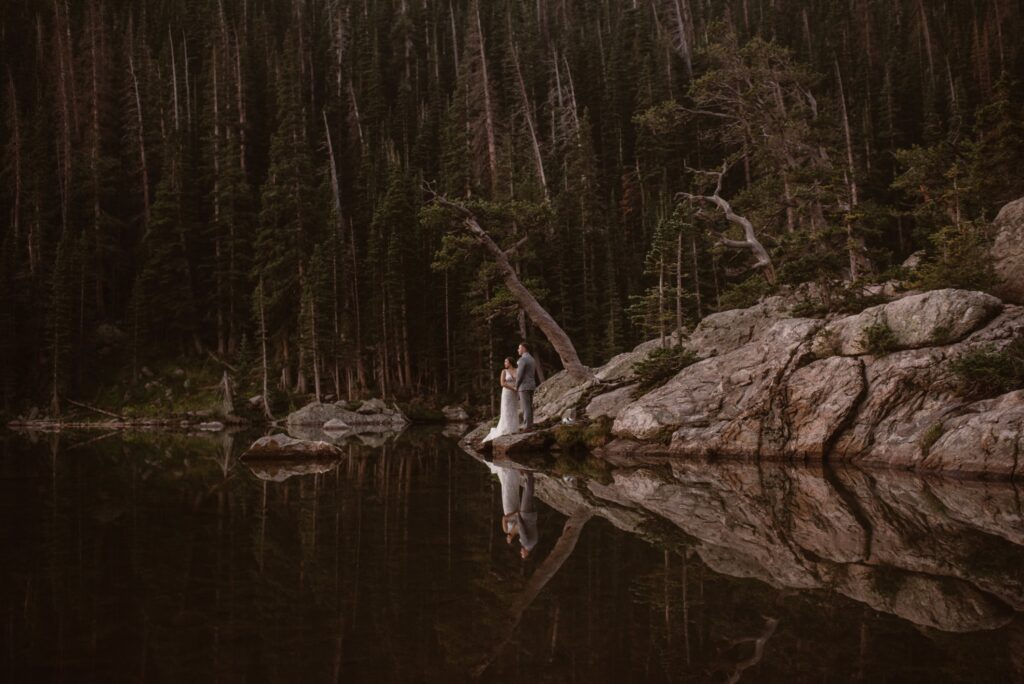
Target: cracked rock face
<point>717,404</point>
<point>987,439</point>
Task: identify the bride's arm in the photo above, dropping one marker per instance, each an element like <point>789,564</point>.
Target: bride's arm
<point>501,380</point>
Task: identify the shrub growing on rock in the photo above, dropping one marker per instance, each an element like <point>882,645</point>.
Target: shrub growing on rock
<point>961,259</point>
<point>879,339</point>
<point>988,372</point>
<point>659,366</point>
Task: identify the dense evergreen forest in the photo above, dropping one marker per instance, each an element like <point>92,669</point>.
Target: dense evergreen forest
<point>249,183</point>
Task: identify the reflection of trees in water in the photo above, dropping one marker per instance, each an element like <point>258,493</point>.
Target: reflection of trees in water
<point>158,554</point>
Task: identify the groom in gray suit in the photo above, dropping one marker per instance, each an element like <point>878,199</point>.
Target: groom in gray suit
<point>526,382</point>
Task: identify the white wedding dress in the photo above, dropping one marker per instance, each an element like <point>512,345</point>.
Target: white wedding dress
<point>508,422</point>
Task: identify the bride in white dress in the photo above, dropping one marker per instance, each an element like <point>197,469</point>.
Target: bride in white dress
<point>508,422</point>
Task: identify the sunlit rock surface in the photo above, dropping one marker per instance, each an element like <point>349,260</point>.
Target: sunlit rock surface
<point>922,320</point>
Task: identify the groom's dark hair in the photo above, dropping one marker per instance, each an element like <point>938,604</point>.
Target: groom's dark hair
<point>524,346</point>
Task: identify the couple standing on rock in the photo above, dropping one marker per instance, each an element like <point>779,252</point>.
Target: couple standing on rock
<point>516,379</point>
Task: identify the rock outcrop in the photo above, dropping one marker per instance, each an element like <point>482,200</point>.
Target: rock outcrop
<point>778,387</point>
<point>1008,251</point>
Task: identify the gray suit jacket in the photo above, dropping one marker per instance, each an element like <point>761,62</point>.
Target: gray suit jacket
<point>526,373</point>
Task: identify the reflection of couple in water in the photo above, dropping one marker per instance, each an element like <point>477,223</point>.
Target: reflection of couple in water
<point>520,517</point>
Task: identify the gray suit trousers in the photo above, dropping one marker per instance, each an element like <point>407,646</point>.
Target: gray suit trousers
<point>526,402</point>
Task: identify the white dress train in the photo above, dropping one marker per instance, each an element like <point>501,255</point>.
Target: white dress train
<point>508,421</point>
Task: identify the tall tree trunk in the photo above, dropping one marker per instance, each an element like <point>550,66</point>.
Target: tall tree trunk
<point>679,285</point>
<point>531,125</point>
<point>263,352</point>
<point>142,137</point>
<point>489,113</point>
<point>696,276</point>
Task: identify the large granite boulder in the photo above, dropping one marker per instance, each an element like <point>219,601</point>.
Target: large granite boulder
<point>928,319</point>
<point>726,331</point>
<point>1008,251</point>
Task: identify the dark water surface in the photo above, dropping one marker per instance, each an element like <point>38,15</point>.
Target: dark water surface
<point>157,557</point>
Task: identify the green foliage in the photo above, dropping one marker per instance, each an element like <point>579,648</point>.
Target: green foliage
<point>746,293</point>
<point>878,339</point>
<point>988,372</point>
<point>960,258</point>
<point>581,435</point>
<point>660,365</point>
<point>836,298</point>
<point>930,437</point>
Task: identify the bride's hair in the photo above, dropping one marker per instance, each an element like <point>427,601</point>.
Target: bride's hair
<point>510,361</point>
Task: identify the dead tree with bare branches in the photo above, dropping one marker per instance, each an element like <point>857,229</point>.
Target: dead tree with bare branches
<point>749,241</point>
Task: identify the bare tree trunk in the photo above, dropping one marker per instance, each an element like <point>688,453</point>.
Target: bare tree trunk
<point>540,317</point>
<point>492,147</point>
<point>142,136</point>
<point>679,284</point>
<point>696,276</point>
<point>221,338</point>
<point>174,80</point>
<point>360,366</point>
<point>188,80</point>
<point>661,301</point>
<point>240,95</point>
<point>12,101</point>
<point>95,26</point>
<point>927,38</point>
<point>528,114</point>
<point>316,356</point>
<point>263,353</point>
<point>447,336</point>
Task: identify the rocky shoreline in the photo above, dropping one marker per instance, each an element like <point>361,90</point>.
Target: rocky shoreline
<point>773,386</point>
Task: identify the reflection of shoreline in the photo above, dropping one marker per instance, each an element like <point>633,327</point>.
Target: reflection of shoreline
<point>940,553</point>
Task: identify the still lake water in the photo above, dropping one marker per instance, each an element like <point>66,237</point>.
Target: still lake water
<point>161,557</point>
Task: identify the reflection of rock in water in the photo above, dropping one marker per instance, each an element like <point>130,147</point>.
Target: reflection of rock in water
<point>279,471</point>
<point>939,553</point>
